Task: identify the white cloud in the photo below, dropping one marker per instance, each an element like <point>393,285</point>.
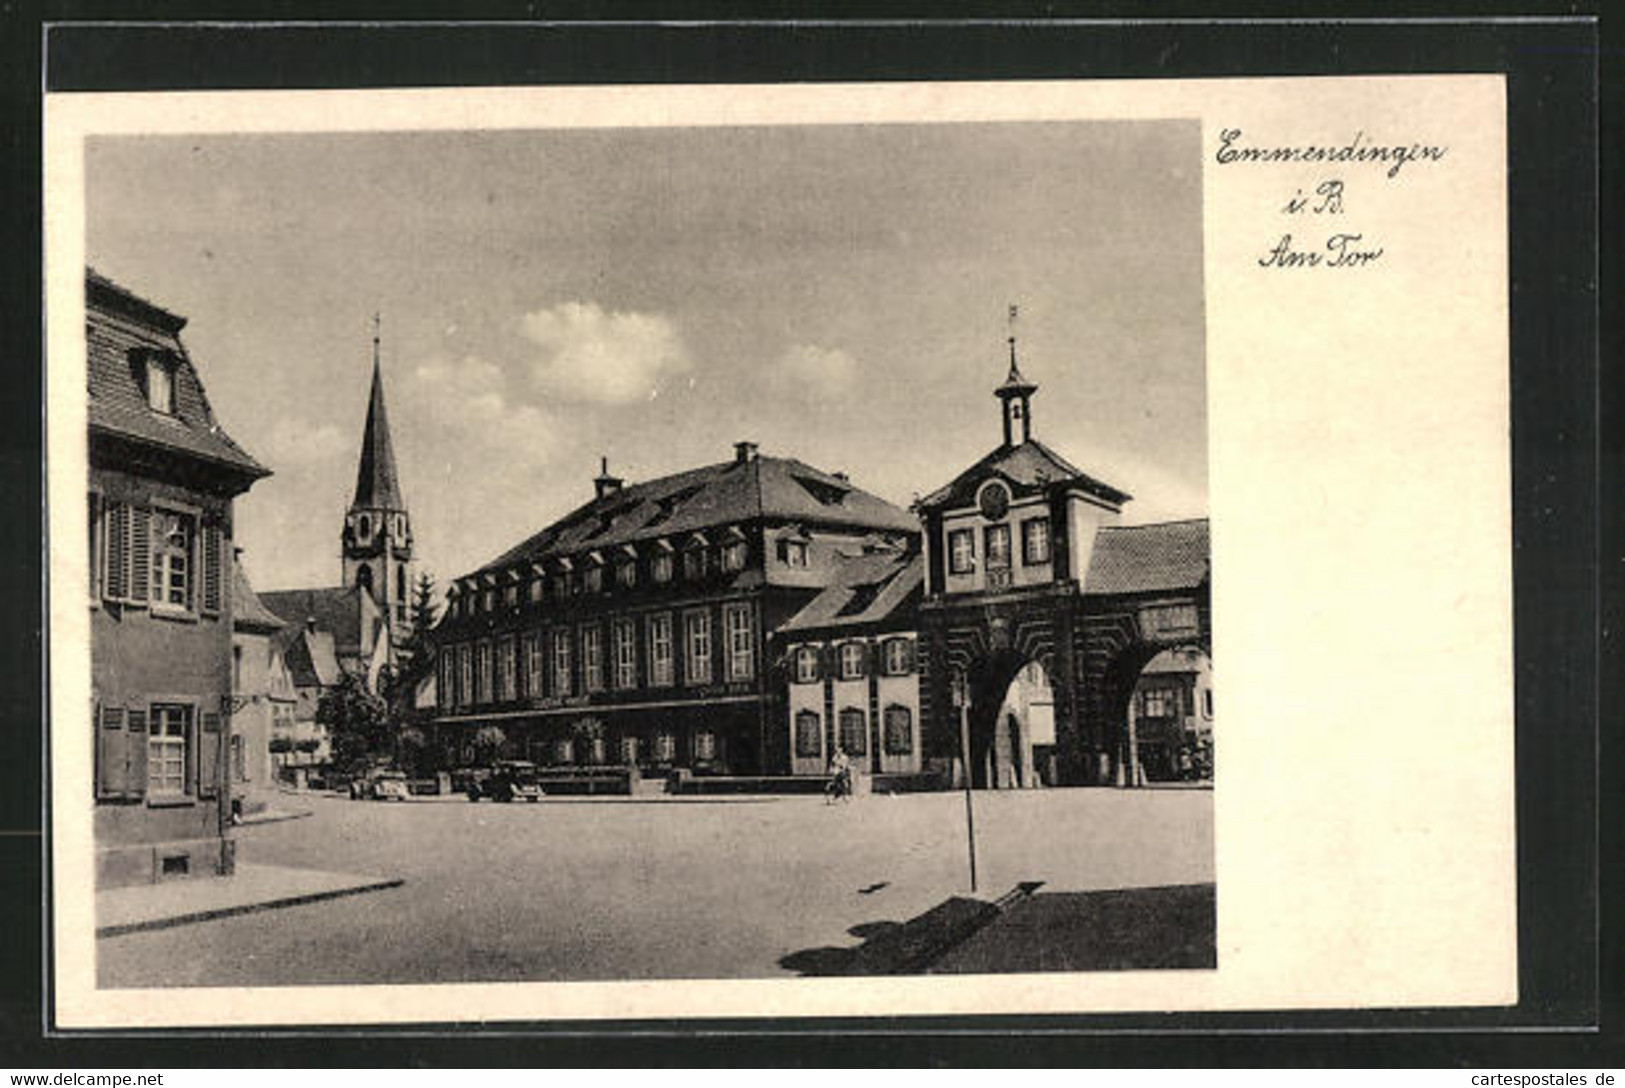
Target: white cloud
<point>294,443</point>
<point>592,354</point>
<point>817,372</point>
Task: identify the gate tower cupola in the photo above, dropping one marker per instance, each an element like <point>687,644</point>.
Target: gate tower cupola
<point>377,538</point>
<point>1015,397</point>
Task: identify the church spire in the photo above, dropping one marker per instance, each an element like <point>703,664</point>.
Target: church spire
<point>377,484</point>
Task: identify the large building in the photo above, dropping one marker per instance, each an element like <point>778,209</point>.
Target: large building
<point>163,474</point>
<point>637,629</point>
<point>368,615</point>
<point>1028,580</point>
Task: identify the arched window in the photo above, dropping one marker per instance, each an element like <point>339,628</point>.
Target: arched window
<point>854,732</point>
<point>363,577</point>
<point>809,734</point>
<point>363,526</point>
<point>899,723</point>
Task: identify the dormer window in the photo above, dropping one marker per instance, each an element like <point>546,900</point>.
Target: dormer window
<point>626,573</point>
<point>734,554</point>
<point>157,370</point>
<point>694,562</point>
<point>795,553</point>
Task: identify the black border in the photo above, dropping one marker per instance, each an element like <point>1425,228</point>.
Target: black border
<point>1552,190</point>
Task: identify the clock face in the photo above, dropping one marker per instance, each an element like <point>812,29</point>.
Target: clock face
<point>994,501</point>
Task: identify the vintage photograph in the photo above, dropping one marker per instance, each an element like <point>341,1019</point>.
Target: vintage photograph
<point>649,553</point>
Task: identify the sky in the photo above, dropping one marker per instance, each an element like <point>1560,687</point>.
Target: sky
<point>836,293</point>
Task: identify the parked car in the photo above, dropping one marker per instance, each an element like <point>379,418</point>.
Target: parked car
<point>389,786</point>
<point>509,780</point>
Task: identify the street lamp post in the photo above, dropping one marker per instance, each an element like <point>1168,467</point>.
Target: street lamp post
<point>962,705</point>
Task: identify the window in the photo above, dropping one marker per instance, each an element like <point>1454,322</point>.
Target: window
<point>854,733</point>
<point>660,567</point>
<point>899,723</point>
<point>533,665</point>
<point>852,654</point>
<point>807,665</point>
<point>169,732</point>
<point>629,750</point>
<point>465,669</point>
<point>592,579</point>
<point>483,694</point>
<point>172,560</point>
<point>561,585</point>
<point>592,658</point>
<point>665,747</point>
<point>535,593</point>
<point>627,573</point>
<point>626,655</point>
<point>660,654</point>
<point>795,553</point>
<point>695,565</point>
<point>734,555</point>
<point>1035,541</point>
<point>1157,703</point>
<point>809,734</point>
<point>237,667</point>
<point>564,750</point>
<point>596,751</point>
<point>239,758</point>
<point>899,656</point>
<point>488,600</point>
<point>507,670</point>
<point>510,594</point>
<point>996,539</point>
<point>160,375</point>
<point>363,526</point>
<point>705,745</point>
<point>1207,703</point>
<point>561,661</point>
<point>961,552</point>
<point>698,662</point>
<point>741,641</point>
<point>447,678</point>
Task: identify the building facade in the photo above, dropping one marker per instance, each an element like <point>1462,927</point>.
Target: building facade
<point>163,476</point>
<point>636,631</point>
<point>262,695</point>
<point>1029,582</point>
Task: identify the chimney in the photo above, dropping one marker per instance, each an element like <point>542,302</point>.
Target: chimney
<point>841,476</point>
<point>604,483</point>
<point>744,452</point>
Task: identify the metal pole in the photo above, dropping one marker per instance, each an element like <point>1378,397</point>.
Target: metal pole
<point>961,698</point>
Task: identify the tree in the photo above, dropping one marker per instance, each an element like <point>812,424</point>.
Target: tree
<point>488,742</point>
<point>357,722</point>
<point>413,747</point>
<point>417,656</point>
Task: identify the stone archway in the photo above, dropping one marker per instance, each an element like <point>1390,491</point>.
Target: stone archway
<point>1006,700</point>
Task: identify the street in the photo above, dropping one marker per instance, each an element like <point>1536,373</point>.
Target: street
<point>616,889</point>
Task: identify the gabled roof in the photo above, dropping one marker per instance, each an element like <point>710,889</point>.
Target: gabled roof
<point>309,656</point>
<point>1168,556</point>
<point>337,610</point>
<point>377,483</point>
<point>248,612</point>
<point>1029,466</point>
<point>779,489</point>
<point>882,587</point>
<point>121,327</point>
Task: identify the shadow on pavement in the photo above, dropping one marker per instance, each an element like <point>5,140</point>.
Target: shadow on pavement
<point>1130,929</point>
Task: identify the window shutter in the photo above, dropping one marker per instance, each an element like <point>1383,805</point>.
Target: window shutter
<point>135,754</point>
<point>211,569</point>
<point>111,740</point>
<point>140,529</point>
<point>208,760</point>
<point>116,530</point>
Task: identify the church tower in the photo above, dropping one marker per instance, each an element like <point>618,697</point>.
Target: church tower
<point>377,538</point>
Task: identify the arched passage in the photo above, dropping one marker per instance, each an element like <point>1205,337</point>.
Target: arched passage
<point>1156,700</point>
<point>1012,723</point>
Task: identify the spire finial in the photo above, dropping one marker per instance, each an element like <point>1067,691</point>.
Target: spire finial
<point>377,321</point>
<point>1014,310</point>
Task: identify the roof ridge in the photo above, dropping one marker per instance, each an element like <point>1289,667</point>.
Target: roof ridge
<point>1155,524</point>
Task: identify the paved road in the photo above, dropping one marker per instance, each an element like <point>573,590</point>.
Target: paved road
<point>668,889</point>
